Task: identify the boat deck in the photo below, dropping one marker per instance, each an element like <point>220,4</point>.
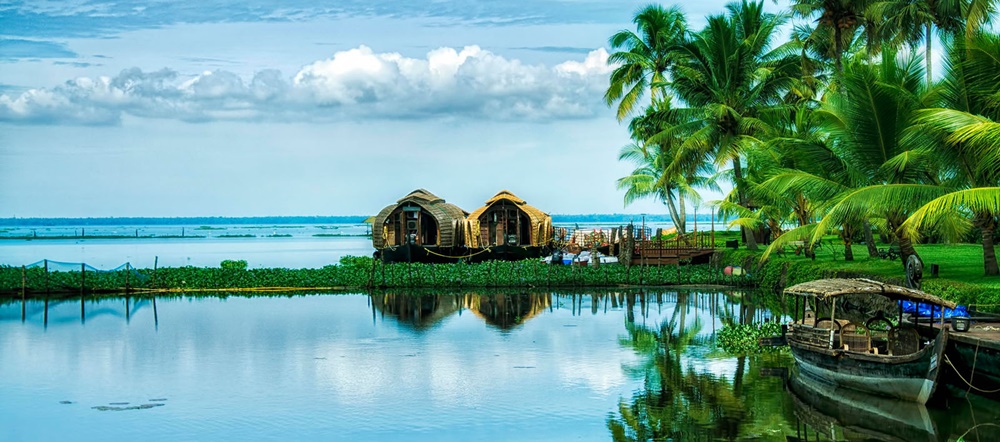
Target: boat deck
<point>982,333</point>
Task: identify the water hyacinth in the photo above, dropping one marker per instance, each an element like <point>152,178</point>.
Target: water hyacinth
<point>359,273</point>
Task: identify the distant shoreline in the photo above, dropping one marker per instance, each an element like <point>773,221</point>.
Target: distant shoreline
<point>623,218</point>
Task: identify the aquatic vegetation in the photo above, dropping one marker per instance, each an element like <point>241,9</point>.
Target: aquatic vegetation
<point>360,272</point>
<point>234,265</point>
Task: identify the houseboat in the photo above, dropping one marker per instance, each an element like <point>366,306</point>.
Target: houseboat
<point>507,228</point>
<point>420,227</point>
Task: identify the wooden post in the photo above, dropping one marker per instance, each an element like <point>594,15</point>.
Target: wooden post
<point>127,272</point>
<point>24,282</point>
<point>833,319</point>
<point>83,277</point>
<point>46,276</point>
<point>156,260</point>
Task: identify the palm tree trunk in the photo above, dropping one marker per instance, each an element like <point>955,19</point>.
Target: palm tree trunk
<point>930,37</point>
<point>905,248</point>
<point>870,240</point>
<point>672,208</point>
<point>683,210</point>
<point>838,50</point>
<point>748,234</point>
<point>989,253</point>
<point>846,234</point>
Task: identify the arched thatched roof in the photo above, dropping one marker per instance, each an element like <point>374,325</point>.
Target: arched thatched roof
<point>450,218</point>
<point>541,222</point>
<point>830,288</point>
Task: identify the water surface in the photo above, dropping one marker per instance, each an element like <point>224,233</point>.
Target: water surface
<point>514,366</point>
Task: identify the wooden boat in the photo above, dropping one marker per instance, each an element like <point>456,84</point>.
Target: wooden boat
<point>894,362</point>
<point>507,228</point>
<point>420,227</point>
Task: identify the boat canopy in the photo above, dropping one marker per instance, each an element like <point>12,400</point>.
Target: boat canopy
<point>830,288</point>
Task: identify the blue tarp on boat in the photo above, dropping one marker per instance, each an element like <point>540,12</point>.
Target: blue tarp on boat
<point>925,310</point>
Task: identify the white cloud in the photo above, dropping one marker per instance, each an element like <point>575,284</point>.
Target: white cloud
<point>356,83</point>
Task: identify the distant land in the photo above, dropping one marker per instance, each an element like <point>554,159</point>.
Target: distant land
<point>257,220</point>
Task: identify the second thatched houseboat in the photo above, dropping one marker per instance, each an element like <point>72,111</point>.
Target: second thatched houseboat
<point>507,228</point>
<point>420,227</point>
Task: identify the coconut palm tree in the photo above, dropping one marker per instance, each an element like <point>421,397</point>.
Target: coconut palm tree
<point>965,134</point>
<point>730,75</point>
<point>913,21</point>
<point>838,19</point>
<point>889,178</point>
<point>655,175</point>
<point>644,56</point>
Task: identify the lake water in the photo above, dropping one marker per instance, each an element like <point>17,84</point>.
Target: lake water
<point>262,246</point>
<point>302,246</point>
<point>472,366</point>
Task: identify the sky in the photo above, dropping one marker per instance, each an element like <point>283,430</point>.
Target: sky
<point>267,107</point>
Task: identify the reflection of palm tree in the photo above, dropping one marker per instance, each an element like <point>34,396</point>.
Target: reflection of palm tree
<point>680,403</point>
<point>672,403</point>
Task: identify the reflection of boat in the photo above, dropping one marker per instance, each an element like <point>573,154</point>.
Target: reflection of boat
<point>507,228</point>
<point>420,311</point>
<point>842,353</point>
<point>506,311</point>
<point>420,227</point>
<point>859,416</point>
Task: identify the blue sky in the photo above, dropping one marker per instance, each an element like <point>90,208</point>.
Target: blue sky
<point>243,108</point>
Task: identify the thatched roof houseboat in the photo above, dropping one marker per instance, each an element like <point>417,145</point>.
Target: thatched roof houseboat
<point>420,227</point>
<point>506,227</point>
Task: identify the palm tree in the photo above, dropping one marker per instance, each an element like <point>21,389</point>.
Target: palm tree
<point>729,75</point>
<point>965,134</point>
<point>979,13</point>
<point>645,56</point>
<point>656,174</point>
<point>840,19</point>
<point>889,178</point>
<point>914,21</point>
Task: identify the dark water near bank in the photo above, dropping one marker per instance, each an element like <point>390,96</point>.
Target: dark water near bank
<point>434,367</point>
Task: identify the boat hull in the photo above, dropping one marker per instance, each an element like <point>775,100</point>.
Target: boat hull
<point>422,254</point>
<point>911,377</point>
<point>508,253</point>
<point>976,361</point>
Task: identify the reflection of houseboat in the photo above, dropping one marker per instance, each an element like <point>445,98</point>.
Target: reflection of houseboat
<point>874,356</point>
<point>418,311</point>
<point>420,227</point>
<point>505,311</point>
<point>507,228</point>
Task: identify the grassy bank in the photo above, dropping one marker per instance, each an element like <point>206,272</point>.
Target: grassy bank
<point>961,277</point>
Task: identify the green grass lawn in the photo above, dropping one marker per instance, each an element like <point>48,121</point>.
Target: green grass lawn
<point>961,277</point>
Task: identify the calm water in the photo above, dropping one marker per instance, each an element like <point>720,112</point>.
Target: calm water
<point>291,246</point>
<point>105,254</point>
<point>434,367</point>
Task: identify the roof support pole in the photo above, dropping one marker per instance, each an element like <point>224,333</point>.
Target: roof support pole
<point>833,319</point>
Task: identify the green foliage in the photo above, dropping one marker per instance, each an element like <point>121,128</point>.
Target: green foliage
<point>742,339</point>
<point>233,265</point>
